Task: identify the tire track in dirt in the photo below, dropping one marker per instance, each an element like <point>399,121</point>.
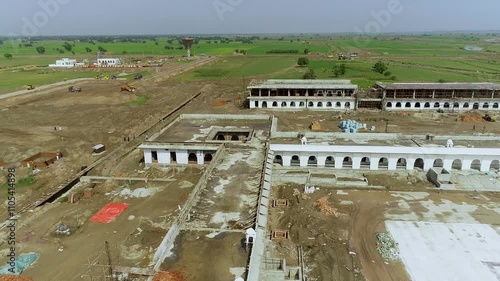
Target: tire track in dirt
<point>368,220</point>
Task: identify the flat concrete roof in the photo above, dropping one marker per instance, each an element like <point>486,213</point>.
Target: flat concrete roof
<point>301,84</point>
<point>439,86</point>
<point>187,146</point>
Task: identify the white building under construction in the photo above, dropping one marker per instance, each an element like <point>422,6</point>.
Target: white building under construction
<point>435,96</point>
<point>303,94</point>
<point>343,95</point>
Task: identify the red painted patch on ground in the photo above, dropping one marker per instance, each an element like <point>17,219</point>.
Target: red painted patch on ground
<point>109,212</point>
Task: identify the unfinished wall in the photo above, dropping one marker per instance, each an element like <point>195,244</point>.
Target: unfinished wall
<point>167,243</point>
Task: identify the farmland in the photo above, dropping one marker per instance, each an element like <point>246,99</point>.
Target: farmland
<point>424,58</point>
<point>212,200</point>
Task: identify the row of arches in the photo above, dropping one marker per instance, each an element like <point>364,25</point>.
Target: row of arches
<point>455,105</point>
<point>302,104</point>
<point>193,158</point>
<point>383,163</point>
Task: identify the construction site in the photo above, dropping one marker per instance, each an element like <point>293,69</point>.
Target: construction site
<point>195,184</point>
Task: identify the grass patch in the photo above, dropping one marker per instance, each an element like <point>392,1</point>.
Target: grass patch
<point>211,73</point>
<point>24,182</point>
<point>138,101</point>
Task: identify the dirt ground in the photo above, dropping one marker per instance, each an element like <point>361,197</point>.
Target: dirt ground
<point>132,237</point>
<point>99,114</point>
<point>398,122</point>
<point>344,247</point>
<point>201,258</point>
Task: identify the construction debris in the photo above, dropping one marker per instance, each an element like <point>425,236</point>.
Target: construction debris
<point>326,208</point>
<point>315,126</point>
<point>489,118</point>
<point>387,247</point>
<point>469,118</point>
<point>169,276</point>
<point>351,126</point>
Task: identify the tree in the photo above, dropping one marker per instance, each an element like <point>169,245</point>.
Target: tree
<point>309,75</point>
<point>101,49</point>
<point>303,61</point>
<point>306,51</point>
<point>339,69</point>
<point>40,50</point>
<point>379,67</point>
<point>8,56</point>
<point>67,46</point>
<point>89,50</point>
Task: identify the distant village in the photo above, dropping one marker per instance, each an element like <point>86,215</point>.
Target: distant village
<point>103,62</point>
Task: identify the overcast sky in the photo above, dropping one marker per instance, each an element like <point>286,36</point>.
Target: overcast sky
<point>106,17</point>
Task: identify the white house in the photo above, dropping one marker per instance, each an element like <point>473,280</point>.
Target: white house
<point>68,63</point>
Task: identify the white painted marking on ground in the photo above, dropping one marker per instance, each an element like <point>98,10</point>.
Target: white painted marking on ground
<point>346,202</point>
<point>213,234</point>
<point>447,251</point>
<point>410,195</point>
<point>341,192</point>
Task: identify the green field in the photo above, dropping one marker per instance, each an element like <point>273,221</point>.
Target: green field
<point>424,58</point>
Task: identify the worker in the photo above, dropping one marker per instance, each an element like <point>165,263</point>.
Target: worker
<point>303,140</point>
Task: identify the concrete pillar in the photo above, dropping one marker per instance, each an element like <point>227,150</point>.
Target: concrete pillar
<point>393,162</point>
<point>200,157</point>
<point>148,157</point>
<point>356,163</point>
<point>485,165</point>
<point>321,161</point>
<point>466,163</point>
<point>338,162</point>
<point>163,157</point>
<point>414,92</point>
<point>410,164</point>
<point>182,157</point>
<point>447,163</point>
<point>428,163</point>
<point>286,160</point>
<point>374,163</point>
<point>303,161</point>
<point>260,92</point>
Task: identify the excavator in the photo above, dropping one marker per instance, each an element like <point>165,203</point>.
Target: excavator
<point>127,88</point>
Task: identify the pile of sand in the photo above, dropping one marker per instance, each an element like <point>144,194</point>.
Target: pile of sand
<point>169,276</point>
<point>325,208</point>
<point>467,118</point>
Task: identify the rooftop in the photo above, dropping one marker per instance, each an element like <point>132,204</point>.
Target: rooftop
<point>301,84</point>
<point>439,86</point>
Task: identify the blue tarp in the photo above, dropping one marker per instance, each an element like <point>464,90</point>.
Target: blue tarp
<point>22,263</point>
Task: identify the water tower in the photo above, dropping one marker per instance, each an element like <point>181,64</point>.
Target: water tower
<point>188,43</point>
